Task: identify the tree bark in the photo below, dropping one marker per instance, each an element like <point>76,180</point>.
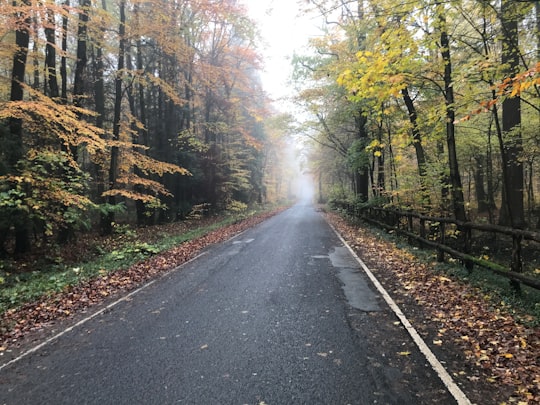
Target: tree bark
<point>99,100</point>
<point>361,175</point>
<point>63,59</point>
<point>417,143</point>
<point>480,191</point>
<point>113,168</point>
<point>381,173</point>
<point>142,218</point>
<point>458,201</point>
<point>142,137</point>
<point>82,58</point>
<point>489,174</point>
<point>22,41</point>
<point>513,213</point>
<point>50,55</point>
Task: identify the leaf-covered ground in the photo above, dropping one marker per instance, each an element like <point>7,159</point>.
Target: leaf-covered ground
<point>493,357</point>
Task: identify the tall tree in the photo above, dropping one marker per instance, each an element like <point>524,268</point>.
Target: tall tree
<point>82,57</point>
<point>458,201</point>
<point>116,124</point>
<point>50,54</point>
<point>513,212</point>
<point>22,40</point>
<point>63,58</point>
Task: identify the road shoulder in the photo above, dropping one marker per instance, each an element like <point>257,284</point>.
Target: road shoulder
<point>427,310</point>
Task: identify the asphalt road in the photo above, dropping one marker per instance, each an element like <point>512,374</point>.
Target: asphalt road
<point>281,314</point>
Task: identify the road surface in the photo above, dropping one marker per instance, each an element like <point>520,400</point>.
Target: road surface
<point>281,314</point>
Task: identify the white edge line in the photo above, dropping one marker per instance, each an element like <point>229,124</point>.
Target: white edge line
<point>95,314</point>
<point>113,304</point>
<point>447,380</point>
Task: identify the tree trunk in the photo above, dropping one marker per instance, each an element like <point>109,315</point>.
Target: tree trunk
<point>22,41</point>
<point>513,213</point>
<point>489,175</point>
<point>380,187</point>
<point>99,92</point>
<point>63,59</point>
<point>35,59</point>
<point>142,218</point>
<point>417,143</point>
<point>113,168</point>
<point>480,191</point>
<point>362,173</point>
<point>458,201</point>
<point>82,41</point>
<point>50,55</point>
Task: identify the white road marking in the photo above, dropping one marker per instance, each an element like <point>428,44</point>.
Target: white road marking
<point>124,298</point>
<point>88,318</point>
<point>447,380</point>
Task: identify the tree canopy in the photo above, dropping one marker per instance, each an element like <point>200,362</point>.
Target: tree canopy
<point>129,111</point>
<point>448,93</point>
<point>137,111</point>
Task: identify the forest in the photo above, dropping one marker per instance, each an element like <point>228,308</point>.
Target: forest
<point>431,106</point>
<point>141,112</point>
<point>134,134</point>
<point>130,112</point>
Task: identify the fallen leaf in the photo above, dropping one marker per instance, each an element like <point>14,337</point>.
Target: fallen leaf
<point>404,353</point>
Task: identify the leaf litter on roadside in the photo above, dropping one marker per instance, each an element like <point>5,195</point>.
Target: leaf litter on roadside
<point>17,323</point>
<point>503,356</point>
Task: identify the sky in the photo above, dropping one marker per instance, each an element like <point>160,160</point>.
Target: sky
<point>284,30</point>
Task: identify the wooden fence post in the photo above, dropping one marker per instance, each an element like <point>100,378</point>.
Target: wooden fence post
<point>517,264</point>
<point>422,232</point>
<point>442,237</point>
<point>410,227</point>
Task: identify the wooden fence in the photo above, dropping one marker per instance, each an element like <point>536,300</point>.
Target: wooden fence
<point>455,238</point>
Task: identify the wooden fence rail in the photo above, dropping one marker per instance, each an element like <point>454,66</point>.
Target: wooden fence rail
<point>433,232</point>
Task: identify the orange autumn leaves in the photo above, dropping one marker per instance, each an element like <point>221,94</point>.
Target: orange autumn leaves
<point>456,317</point>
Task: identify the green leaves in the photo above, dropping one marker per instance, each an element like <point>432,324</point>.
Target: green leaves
<point>135,251</point>
<point>357,155</point>
<point>47,188</point>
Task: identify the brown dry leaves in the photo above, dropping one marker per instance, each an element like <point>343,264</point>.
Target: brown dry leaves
<point>504,353</point>
<point>17,323</point>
